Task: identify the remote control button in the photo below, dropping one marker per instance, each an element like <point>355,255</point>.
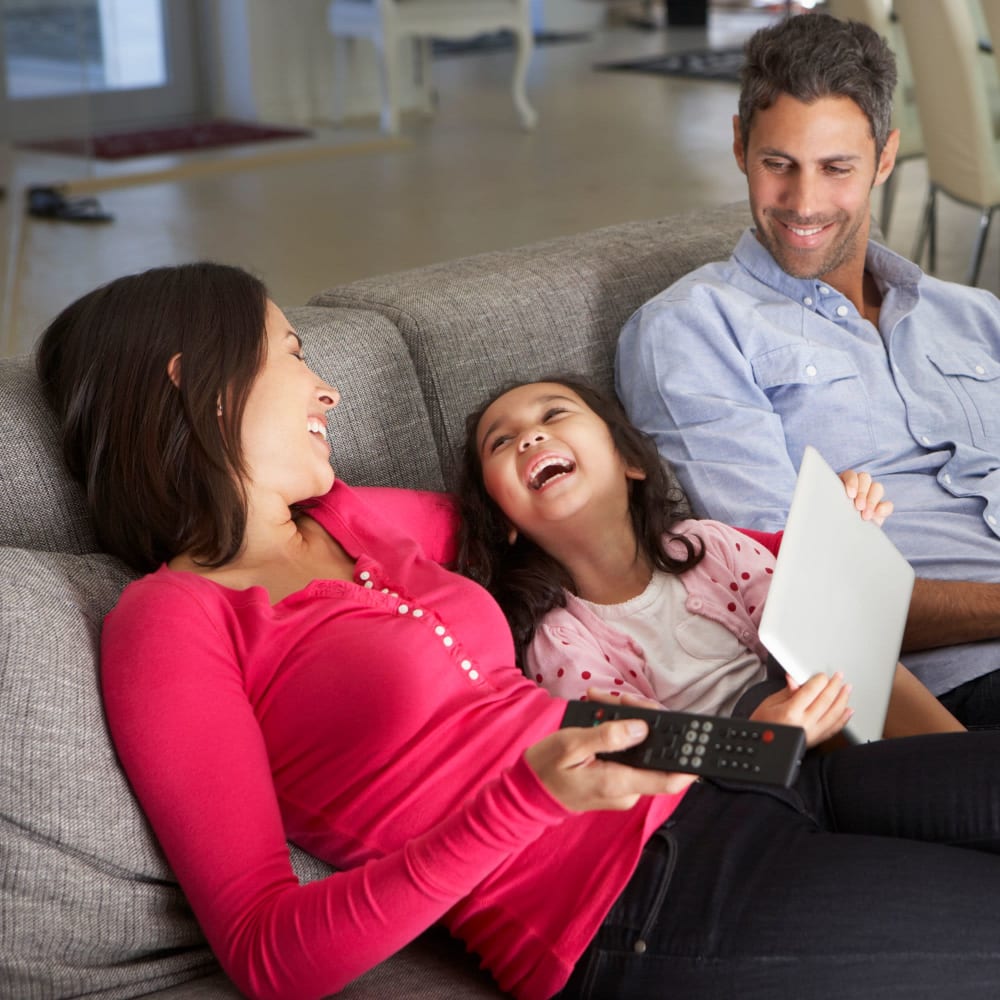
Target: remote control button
<point>690,735</point>
<point>708,727</point>
<point>696,762</point>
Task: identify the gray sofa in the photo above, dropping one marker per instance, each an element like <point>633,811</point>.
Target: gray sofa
<point>88,907</point>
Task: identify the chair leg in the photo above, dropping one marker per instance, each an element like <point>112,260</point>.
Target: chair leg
<point>387,48</point>
<point>525,47</point>
<point>888,196</point>
<point>423,56</point>
<point>932,234</point>
<point>343,67</point>
<point>926,230</point>
<point>980,245</point>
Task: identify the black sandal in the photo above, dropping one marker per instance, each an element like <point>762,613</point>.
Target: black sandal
<point>50,203</point>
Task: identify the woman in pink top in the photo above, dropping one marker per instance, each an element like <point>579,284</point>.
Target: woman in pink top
<point>294,666</point>
<point>569,519</point>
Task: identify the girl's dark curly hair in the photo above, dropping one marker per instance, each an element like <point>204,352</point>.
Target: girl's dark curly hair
<point>525,580</point>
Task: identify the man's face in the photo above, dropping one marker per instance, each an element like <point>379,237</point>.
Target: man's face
<point>810,169</point>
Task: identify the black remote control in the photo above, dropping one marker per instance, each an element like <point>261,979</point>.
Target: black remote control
<point>710,745</point>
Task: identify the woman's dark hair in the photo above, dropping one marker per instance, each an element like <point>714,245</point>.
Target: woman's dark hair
<point>161,468</point>
<point>525,580</point>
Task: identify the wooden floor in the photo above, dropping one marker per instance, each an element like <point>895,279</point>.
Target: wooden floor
<point>609,147</point>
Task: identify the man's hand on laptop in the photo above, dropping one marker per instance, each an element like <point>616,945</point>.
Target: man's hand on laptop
<point>819,706</point>
<point>867,495</point>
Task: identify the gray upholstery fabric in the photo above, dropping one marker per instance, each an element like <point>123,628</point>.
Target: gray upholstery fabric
<point>380,434</point>
<point>88,906</point>
<point>42,507</point>
<point>558,306</point>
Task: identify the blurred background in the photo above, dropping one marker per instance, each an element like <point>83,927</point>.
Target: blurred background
<point>246,131</point>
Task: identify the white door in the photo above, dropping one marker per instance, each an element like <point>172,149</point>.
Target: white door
<point>71,68</point>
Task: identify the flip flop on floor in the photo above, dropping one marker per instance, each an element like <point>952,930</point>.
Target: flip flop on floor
<point>50,203</point>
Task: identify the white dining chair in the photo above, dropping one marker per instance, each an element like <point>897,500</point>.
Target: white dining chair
<point>388,24</point>
<point>953,102</point>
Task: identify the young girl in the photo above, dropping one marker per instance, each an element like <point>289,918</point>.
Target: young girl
<point>570,520</point>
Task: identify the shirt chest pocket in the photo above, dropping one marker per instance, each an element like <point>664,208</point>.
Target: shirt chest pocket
<point>704,639</point>
<point>975,383</point>
<point>819,395</point>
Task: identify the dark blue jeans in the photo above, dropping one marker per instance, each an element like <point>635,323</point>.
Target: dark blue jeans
<point>875,876</point>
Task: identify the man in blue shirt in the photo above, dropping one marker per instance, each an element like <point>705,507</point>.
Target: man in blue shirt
<point>812,334</point>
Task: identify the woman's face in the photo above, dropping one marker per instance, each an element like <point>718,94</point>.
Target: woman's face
<point>546,457</point>
<point>284,422</point>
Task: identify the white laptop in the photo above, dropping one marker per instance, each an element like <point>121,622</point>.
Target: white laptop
<point>839,597</point>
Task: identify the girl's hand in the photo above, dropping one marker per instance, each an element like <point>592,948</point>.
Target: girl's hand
<point>566,762</point>
<point>819,706</point>
<point>867,496</point>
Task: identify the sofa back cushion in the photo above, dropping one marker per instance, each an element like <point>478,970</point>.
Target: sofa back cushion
<point>380,434</point>
<point>43,507</point>
<point>555,307</point>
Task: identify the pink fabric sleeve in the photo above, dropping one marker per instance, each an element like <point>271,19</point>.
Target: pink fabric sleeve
<point>193,751</point>
<point>566,660</point>
<point>431,518</point>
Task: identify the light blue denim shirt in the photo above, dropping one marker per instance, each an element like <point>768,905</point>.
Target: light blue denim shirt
<point>738,366</point>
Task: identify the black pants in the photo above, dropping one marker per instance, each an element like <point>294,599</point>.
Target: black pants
<point>875,876</point>
<point>976,703</point>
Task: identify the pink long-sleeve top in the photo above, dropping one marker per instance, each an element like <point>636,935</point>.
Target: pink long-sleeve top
<point>380,724</point>
<point>573,648</point>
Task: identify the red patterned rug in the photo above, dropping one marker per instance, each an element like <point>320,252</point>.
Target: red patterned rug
<point>150,142</point>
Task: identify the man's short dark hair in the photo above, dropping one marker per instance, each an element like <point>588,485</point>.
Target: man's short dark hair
<point>811,56</point>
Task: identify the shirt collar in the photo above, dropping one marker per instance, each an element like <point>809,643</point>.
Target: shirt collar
<point>888,268</point>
